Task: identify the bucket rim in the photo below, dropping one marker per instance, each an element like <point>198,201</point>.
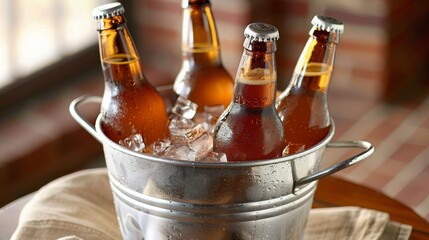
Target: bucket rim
<point>194,164</point>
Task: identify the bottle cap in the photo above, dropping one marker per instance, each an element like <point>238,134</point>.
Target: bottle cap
<point>108,10</point>
<point>261,32</point>
<point>328,24</point>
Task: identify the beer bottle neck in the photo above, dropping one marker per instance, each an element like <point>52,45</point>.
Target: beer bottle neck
<point>258,63</point>
<point>199,37</point>
<point>255,83</point>
<point>119,57</point>
<point>314,67</point>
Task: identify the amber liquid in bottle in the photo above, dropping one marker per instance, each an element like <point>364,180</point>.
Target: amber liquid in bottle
<point>250,128</point>
<point>202,78</point>
<point>249,131</point>
<point>305,112</point>
<point>130,103</point>
<point>303,106</point>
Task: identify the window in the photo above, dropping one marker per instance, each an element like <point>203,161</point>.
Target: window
<point>40,34</point>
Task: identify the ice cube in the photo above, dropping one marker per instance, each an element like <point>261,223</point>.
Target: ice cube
<point>212,157</point>
<point>184,108</point>
<point>201,118</point>
<point>199,140</point>
<point>209,117</point>
<point>179,127</point>
<point>195,133</point>
<point>134,142</point>
<point>180,152</point>
<point>159,147</point>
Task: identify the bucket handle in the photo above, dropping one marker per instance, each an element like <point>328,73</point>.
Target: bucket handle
<point>73,108</point>
<point>369,149</point>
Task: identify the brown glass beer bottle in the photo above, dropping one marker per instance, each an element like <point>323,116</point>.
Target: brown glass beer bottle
<point>250,128</point>
<point>130,103</point>
<point>202,77</point>
<point>303,105</point>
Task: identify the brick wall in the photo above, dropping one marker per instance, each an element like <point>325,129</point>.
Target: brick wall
<point>361,56</point>
<point>40,141</point>
<point>159,35</point>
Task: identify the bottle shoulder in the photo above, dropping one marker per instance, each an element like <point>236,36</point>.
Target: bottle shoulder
<point>242,112</point>
<point>205,73</point>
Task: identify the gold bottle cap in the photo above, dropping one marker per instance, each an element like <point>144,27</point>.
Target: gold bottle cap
<point>328,24</point>
<point>108,10</point>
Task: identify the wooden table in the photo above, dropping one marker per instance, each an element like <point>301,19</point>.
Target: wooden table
<point>331,192</point>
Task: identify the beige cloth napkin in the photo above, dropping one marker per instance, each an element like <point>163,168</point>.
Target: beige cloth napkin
<point>80,206</point>
<point>353,223</point>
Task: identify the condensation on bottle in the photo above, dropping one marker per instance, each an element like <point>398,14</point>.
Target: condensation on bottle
<point>303,105</point>
<point>250,128</point>
<point>202,78</point>
<point>130,105</point>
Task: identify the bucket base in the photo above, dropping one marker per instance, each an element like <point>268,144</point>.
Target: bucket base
<point>142,220</point>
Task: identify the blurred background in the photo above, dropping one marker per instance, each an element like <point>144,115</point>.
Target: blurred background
<point>378,93</point>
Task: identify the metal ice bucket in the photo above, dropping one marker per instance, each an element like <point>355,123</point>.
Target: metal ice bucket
<point>158,198</point>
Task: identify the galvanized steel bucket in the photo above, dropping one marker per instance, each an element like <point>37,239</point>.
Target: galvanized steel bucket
<point>158,198</point>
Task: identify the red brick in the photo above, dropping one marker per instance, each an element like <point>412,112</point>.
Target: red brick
<point>382,131</point>
<point>356,18</point>
<point>420,137</point>
<point>369,47</point>
<point>368,73</point>
<point>392,120</point>
<point>56,114</point>
<point>173,7</point>
<point>17,139</point>
<point>348,107</point>
<point>406,152</point>
<point>377,180</point>
<point>416,190</point>
<point>342,125</point>
<point>391,167</point>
